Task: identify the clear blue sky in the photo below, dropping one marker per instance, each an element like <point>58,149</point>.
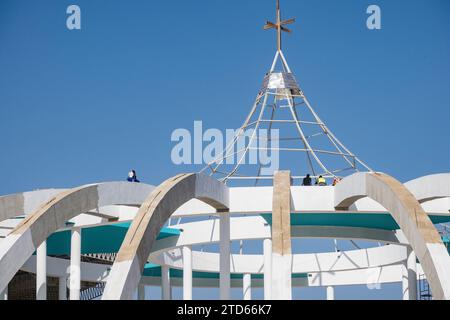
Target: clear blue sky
<point>78,107</point>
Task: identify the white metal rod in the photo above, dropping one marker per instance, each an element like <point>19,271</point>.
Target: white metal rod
<point>305,141</point>
<point>274,62</point>
<point>332,135</point>
<point>292,121</point>
<point>302,150</point>
<point>269,134</point>
<point>263,107</point>
<point>285,62</point>
<point>231,144</point>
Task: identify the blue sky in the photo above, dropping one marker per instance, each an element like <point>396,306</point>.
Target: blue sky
<point>82,106</point>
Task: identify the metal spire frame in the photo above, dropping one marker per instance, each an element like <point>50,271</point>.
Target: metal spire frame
<point>281,86</point>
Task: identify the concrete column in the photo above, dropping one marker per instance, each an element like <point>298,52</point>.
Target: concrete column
<point>75,263</point>
<point>41,272</point>
<point>187,273</point>
<point>141,292</point>
<point>330,293</point>
<point>62,288</point>
<point>409,276</point>
<point>165,283</point>
<point>405,282</point>
<point>281,237</point>
<point>247,286</point>
<point>267,248</point>
<point>225,250</point>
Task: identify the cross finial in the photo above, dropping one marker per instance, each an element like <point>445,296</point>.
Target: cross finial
<point>279,25</point>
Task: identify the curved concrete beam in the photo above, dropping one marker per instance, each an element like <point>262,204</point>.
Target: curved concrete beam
<point>301,263</point>
<point>24,203</point>
<point>369,276</point>
<point>154,212</point>
<point>20,244</point>
<point>409,215</point>
<point>256,228</point>
<point>430,187</point>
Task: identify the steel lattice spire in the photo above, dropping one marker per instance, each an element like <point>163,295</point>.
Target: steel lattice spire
<point>281,104</point>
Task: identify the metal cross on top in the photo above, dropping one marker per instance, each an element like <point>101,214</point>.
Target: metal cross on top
<point>279,25</point>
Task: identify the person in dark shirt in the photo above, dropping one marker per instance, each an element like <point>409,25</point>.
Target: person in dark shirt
<point>306,180</point>
<point>132,176</point>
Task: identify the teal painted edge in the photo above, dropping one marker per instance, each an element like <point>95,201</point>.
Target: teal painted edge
<point>362,220</point>
<point>446,241</point>
<point>154,270</point>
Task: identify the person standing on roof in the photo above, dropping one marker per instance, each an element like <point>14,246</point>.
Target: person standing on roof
<point>132,176</point>
<point>336,180</point>
<point>307,180</point>
<point>321,181</point>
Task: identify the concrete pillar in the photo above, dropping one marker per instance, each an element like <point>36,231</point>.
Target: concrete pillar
<point>247,286</point>
<point>165,283</point>
<point>41,272</point>
<point>409,276</point>
<point>412,274</point>
<point>405,282</point>
<point>141,292</point>
<point>225,251</point>
<point>267,248</point>
<point>330,293</point>
<point>75,263</point>
<point>187,273</point>
<point>62,288</point>
<point>281,237</point>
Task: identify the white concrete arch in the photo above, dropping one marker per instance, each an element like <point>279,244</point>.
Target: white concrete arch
<point>17,247</point>
<point>24,203</point>
<point>154,212</point>
<point>430,187</point>
<point>409,215</point>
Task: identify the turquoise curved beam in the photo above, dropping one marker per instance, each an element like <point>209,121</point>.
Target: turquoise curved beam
<point>99,239</point>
